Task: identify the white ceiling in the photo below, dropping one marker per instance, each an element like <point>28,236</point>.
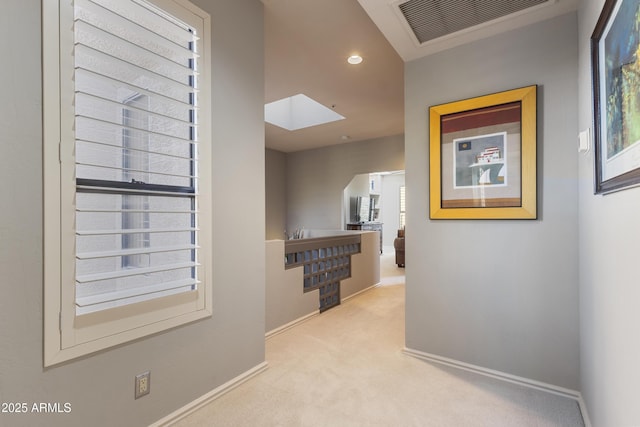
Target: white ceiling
<point>307,43</point>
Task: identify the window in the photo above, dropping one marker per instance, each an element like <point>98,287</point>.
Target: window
<point>403,209</point>
<point>127,165</point>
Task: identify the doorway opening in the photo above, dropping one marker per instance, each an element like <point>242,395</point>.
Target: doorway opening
<point>375,201</point>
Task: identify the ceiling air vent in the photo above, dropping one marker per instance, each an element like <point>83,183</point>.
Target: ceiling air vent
<point>430,19</point>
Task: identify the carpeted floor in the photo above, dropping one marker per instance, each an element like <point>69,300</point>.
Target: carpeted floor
<point>345,368</point>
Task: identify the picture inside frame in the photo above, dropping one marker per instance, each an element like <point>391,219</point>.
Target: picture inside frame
<point>481,157</point>
<point>620,72</point>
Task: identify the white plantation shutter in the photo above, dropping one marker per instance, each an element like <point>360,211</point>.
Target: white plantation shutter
<point>403,207</point>
<point>136,154</point>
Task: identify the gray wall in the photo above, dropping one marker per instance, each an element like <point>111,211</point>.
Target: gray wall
<point>185,362</point>
<point>609,285</point>
<point>285,299</point>
<point>499,294</point>
<point>316,178</point>
<point>276,190</point>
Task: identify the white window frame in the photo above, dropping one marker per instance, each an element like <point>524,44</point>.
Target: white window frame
<point>67,335</point>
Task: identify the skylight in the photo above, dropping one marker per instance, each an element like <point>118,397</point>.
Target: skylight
<point>298,112</point>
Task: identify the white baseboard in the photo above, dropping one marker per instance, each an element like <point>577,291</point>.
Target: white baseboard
<point>584,412</point>
<point>503,376</point>
<point>302,319</point>
<point>290,325</point>
<point>345,299</point>
<point>204,400</point>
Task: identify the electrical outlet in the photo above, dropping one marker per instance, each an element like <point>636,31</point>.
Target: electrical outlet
<point>143,384</point>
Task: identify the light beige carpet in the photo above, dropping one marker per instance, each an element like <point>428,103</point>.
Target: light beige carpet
<point>345,368</point>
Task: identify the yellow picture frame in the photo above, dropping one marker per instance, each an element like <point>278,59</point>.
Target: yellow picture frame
<point>483,157</point>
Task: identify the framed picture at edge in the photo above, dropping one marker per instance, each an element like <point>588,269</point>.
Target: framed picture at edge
<point>615,65</point>
<point>483,157</point>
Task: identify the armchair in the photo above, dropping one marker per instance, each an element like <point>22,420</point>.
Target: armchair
<point>398,245</point>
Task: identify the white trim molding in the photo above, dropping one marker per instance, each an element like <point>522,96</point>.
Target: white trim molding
<point>214,394</point>
<point>272,333</point>
<point>306,317</point>
<point>348,297</point>
<point>503,376</point>
<point>70,333</point>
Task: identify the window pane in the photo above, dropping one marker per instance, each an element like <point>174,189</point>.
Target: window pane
<point>135,97</point>
<point>131,243</point>
<point>157,22</point>
<point>116,113</point>
<point>129,154</point>
<point>113,293</point>
<point>137,28</point>
<point>129,53</point>
<point>135,107</point>
<point>115,69</point>
<point>112,134</point>
<point>122,164</point>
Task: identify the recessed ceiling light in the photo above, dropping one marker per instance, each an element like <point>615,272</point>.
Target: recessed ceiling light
<point>354,59</point>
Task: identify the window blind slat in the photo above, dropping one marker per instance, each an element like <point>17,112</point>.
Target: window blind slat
<point>132,231</point>
<point>125,211</point>
<point>137,251</point>
<point>89,188</point>
<point>113,296</point>
<point>132,272</point>
<point>134,170</point>
<point>136,150</point>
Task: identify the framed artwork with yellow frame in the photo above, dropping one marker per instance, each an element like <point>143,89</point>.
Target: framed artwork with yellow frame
<point>483,157</point>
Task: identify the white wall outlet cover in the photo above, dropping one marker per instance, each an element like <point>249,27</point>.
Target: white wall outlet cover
<point>143,384</point>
